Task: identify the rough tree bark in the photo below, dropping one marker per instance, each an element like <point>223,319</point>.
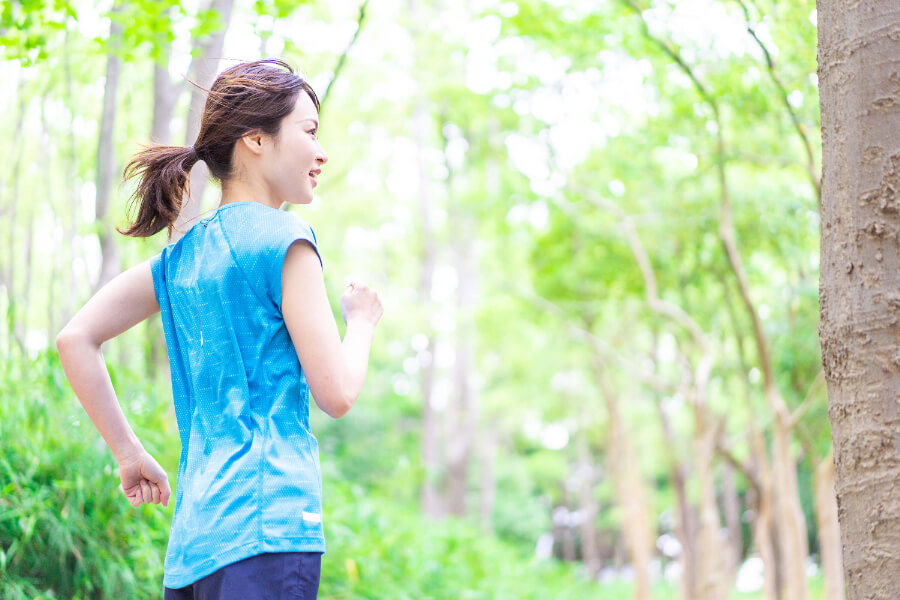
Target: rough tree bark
<point>859,84</point>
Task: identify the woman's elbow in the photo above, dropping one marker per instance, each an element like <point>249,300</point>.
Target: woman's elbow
<point>73,340</point>
<point>341,409</point>
<point>65,339</point>
<point>337,406</point>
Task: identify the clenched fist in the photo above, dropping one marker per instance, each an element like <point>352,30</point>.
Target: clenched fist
<point>362,303</point>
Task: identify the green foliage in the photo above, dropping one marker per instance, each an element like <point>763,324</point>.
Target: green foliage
<point>26,25</point>
<point>66,531</point>
<point>65,527</point>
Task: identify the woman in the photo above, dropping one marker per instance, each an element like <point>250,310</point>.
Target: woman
<point>250,334</point>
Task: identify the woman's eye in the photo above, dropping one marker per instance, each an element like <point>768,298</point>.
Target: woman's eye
<point>314,132</point>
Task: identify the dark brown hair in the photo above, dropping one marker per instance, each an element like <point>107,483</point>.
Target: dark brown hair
<point>249,97</point>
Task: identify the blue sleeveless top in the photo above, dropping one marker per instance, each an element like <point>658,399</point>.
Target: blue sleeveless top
<point>248,475</point>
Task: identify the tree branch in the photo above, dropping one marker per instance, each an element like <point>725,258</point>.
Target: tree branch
<point>726,224</point>
<point>817,383</point>
<point>801,131</point>
<point>343,57</point>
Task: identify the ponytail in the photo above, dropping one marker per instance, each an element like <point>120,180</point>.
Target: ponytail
<point>163,173</point>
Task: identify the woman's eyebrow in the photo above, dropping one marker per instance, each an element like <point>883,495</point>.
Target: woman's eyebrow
<point>311,119</point>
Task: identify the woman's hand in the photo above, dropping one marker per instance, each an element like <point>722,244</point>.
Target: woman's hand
<point>143,480</point>
<point>361,302</point>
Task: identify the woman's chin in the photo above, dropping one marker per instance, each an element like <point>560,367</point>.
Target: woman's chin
<point>300,200</point>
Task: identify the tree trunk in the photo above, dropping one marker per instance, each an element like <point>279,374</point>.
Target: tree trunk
<point>14,327</point>
<point>488,478</point>
<point>203,69</point>
<point>74,200</point>
<point>465,409</point>
<point>432,504</point>
<point>590,553</point>
<point>732,509</point>
<point>685,521</point>
<point>789,518</point>
<point>106,158</point>
<point>859,79</point>
<point>629,490</point>
<point>764,522</point>
<point>165,97</point>
<point>569,549</point>
<point>829,530</point>
<point>712,562</point>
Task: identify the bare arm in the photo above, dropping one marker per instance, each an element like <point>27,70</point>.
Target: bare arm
<point>119,305</point>
<point>335,370</point>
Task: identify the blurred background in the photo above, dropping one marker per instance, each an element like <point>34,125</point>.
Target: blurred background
<point>594,228</point>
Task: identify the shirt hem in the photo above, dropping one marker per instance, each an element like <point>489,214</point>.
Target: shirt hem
<point>175,579</point>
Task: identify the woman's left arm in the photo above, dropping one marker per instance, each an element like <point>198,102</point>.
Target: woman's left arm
<point>119,305</point>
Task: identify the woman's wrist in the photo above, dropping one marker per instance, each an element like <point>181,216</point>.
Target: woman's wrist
<point>361,324</point>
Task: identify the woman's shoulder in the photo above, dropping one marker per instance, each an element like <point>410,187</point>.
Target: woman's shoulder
<point>255,224</point>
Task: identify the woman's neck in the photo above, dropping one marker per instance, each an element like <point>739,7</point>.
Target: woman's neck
<point>241,190</point>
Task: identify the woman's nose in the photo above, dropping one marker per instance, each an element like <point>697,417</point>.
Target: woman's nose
<point>321,156</point>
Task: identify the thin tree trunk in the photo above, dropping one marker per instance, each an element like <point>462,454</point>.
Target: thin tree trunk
<point>29,264</point>
<point>14,327</point>
<point>74,201</point>
<point>764,521</point>
<point>712,563</point>
<point>204,68</point>
<point>685,521</point>
<point>106,158</point>
<point>732,509</point>
<point>590,553</point>
<point>568,534</point>
<point>789,518</point>
<point>464,414</point>
<point>759,473</point>
<point>829,530</point>
<point>432,504</point>
<point>165,97</point>
<point>860,279</point>
<point>488,478</point>
<point>629,490</point>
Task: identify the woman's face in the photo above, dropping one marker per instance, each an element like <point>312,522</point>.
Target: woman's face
<point>295,158</point>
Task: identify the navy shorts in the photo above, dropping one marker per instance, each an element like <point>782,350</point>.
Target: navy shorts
<point>271,576</point>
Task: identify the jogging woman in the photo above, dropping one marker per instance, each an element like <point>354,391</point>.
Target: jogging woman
<point>250,334</point>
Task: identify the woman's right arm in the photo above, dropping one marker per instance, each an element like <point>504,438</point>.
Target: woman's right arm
<point>335,370</point>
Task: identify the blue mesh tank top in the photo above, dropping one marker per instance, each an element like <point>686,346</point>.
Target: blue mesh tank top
<point>248,474</point>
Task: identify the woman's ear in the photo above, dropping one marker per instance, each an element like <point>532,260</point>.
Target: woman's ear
<point>253,142</point>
